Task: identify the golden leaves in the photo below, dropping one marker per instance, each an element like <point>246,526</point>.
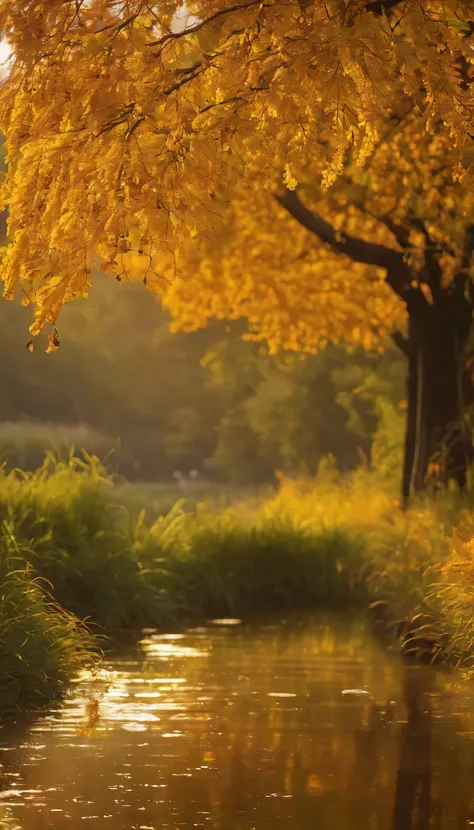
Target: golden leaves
<point>53,341</point>
<point>146,137</point>
<point>294,291</point>
<point>289,179</point>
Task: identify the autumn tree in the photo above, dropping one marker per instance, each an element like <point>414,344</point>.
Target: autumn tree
<point>304,164</point>
<point>385,251</point>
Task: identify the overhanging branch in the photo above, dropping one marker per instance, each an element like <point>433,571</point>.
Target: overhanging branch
<point>191,30</point>
<point>398,231</point>
<point>432,273</point>
<point>357,249</point>
<point>400,277</point>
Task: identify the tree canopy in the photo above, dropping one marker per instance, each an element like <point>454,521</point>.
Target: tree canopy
<point>164,141</point>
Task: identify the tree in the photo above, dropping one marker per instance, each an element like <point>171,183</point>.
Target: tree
<point>286,412</point>
<point>387,249</point>
<point>165,144</point>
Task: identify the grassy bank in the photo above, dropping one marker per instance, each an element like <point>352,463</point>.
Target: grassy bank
<point>41,644</point>
<point>333,542</point>
<point>109,563</point>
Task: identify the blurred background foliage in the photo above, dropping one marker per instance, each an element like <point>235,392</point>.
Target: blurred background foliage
<point>152,403</point>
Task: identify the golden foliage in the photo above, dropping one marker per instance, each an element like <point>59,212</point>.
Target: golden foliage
<point>152,143</point>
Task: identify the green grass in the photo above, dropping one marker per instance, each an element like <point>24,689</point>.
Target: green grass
<point>123,571</point>
<point>79,540</point>
<point>219,566</point>
<point>337,541</point>
<point>41,645</point>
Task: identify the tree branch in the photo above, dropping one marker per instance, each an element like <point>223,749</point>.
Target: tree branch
<point>379,6</point>
<point>369,253</point>
<point>360,251</point>
<point>400,276</point>
<point>118,26</point>
<point>432,272</point>
<point>399,232</point>
<point>191,30</point>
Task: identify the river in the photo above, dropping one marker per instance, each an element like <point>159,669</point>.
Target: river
<point>303,725</point>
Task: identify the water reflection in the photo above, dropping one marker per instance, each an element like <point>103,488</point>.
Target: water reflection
<point>413,805</point>
<point>239,729</point>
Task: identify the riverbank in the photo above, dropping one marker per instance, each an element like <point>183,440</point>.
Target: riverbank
<point>335,542</point>
<point>41,644</point>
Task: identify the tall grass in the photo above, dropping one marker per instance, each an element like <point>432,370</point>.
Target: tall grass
<point>79,540</point>
<point>454,591</point>
<point>404,551</point>
<point>223,565</point>
<point>125,572</point>
<point>41,645</point>
<point>334,541</point>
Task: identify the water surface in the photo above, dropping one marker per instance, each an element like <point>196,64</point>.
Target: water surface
<point>243,728</point>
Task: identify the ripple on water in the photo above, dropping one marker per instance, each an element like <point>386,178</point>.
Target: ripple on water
<point>290,727</point>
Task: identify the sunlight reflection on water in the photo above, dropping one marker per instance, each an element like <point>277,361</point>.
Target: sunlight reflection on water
<point>234,728</point>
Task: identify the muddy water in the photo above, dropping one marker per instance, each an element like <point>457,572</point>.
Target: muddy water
<point>247,728</point>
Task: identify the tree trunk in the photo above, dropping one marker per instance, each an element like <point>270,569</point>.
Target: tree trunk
<point>437,440</point>
<point>409,465</point>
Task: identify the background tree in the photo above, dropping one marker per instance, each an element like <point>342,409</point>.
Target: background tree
<point>151,402</point>
<point>133,132</point>
<point>286,412</point>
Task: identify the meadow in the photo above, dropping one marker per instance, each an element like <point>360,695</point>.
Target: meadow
<point>81,552</point>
